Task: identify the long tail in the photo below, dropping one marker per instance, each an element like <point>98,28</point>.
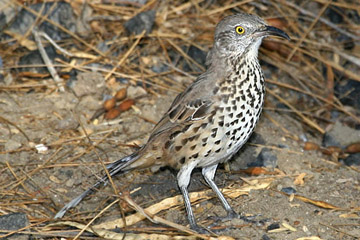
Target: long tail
<point>114,168</point>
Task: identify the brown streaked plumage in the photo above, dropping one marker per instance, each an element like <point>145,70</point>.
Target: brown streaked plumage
<point>210,121</point>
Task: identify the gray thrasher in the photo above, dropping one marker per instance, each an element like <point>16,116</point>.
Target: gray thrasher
<point>213,118</point>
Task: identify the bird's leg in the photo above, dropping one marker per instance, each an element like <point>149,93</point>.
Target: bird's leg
<point>183,178</point>
<point>209,173</point>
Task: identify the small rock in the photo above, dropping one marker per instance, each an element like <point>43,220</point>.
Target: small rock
<point>59,12</point>
<point>282,106</point>
<point>14,221</point>
<point>198,55</point>
<point>340,135</point>
<point>89,84</point>
<point>69,183</point>
<point>256,138</point>
<point>266,158</point>
<point>245,157</point>
<point>288,190</point>
<point>140,22</point>
<point>352,159</point>
<point>280,145</point>
<point>34,58</point>
<point>265,237</point>
<point>135,91</point>
<point>348,92</point>
<point>273,226</point>
<point>11,145</point>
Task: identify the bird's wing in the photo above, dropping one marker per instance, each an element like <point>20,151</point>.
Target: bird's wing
<point>194,104</point>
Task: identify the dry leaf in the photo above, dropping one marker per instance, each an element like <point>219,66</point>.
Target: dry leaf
<point>299,180</point>
<point>317,203</point>
<point>349,215</point>
<point>353,148</point>
<point>309,238</point>
<point>255,171</point>
<point>289,227</point>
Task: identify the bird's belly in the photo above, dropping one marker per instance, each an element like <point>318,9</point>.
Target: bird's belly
<point>217,137</point>
<point>234,127</point>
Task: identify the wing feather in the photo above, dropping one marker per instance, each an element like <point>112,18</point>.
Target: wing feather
<point>194,104</point>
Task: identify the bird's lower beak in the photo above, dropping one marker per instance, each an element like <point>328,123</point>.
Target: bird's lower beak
<point>273,31</point>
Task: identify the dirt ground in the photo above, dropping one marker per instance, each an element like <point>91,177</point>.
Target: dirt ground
<point>69,162</point>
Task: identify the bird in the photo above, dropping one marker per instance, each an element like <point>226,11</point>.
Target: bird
<point>212,118</point>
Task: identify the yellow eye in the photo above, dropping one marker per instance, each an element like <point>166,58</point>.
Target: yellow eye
<point>240,30</point>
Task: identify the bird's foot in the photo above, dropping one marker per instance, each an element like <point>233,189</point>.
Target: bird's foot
<point>234,215</point>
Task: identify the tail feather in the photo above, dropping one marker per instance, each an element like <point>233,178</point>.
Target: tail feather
<point>113,168</point>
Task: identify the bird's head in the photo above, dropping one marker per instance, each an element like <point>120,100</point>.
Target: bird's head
<point>240,33</point>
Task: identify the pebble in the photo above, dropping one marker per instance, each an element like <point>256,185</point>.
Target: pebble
<point>265,237</point>
<point>198,55</point>
<point>266,158</point>
<point>288,190</point>
<point>69,183</point>
<point>140,22</point>
<point>340,135</point>
<point>352,159</point>
<point>14,221</point>
<point>273,226</point>
<point>59,12</point>
<point>135,91</point>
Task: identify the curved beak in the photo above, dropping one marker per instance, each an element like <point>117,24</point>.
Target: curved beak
<point>272,31</point>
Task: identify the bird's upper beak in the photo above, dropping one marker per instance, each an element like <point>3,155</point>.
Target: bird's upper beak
<point>272,31</point>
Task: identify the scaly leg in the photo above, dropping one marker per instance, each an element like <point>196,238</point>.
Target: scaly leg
<point>183,178</point>
<point>209,173</point>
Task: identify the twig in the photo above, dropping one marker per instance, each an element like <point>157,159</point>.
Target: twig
<point>44,35</point>
<point>47,61</point>
<point>338,230</point>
